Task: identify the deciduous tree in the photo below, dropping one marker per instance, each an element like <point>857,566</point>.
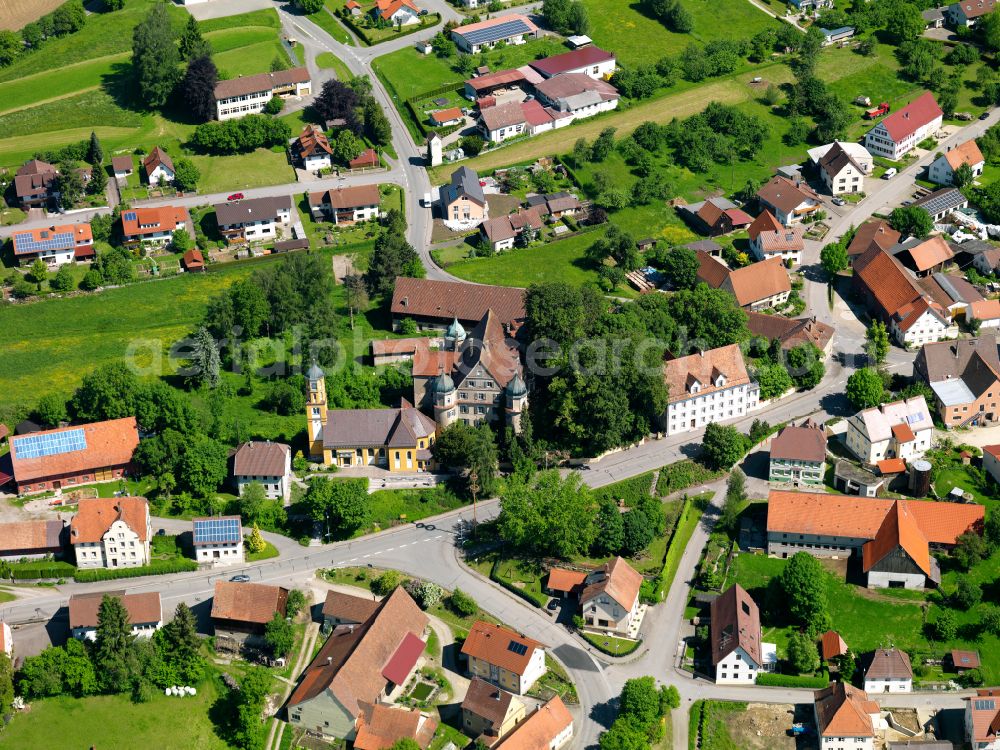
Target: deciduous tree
<point>864,388</point>
<point>198,87</point>
<point>803,582</point>
<point>155,56</point>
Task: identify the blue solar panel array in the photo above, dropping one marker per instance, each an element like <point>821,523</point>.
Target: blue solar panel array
<point>39,446</point>
<point>495,33</point>
<point>26,242</point>
<point>518,648</point>
<point>217,530</point>
<point>130,216</point>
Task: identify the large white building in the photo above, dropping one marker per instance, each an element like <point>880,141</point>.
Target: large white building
<point>902,429</point>
<point>254,219</point>
<point>111,532</point>
<point>144,613</point>
<point>845,717</point>
<point>56,245</point>
<point>218,540</point>
<point>942,169</point>
<point>709,386</point>
<point>738,654</point>
<point>269,464</point>
<point>247,95</point>
<point>900,132</point>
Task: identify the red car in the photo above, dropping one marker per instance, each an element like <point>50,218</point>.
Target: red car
<point>235,197</point>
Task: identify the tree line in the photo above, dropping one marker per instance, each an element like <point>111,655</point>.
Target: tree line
<point>67,19</point>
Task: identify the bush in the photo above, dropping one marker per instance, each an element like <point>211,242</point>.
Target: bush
<point>633,491</point>
<point>462,604</point>
<point>683,474</point>
<point>537,599</point>
<point>153,569</point>
<point>386,583</point>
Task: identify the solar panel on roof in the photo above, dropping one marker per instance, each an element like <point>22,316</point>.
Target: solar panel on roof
<point>986,705</point>
<point>52,444</point>
<point>217,530</point>
<point>912,418</point>
<point>494,33</point>
<point>26,242</point>
<point>130,216</point>
<point>518,648</point>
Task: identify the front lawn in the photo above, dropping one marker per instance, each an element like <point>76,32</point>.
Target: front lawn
<point>114,722</point>
<point>523,266</point>
<point>267,553</point>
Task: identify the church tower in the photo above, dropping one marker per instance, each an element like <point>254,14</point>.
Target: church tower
<point>316,411</point>
<point>517,401</point>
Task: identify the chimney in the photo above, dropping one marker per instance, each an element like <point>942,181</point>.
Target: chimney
<point>329,660</point>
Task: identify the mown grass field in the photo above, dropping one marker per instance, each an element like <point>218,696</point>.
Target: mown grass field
<point>59,95</point>
<point>331,61</point>
<point>637,38</point>
<point>114,722</point>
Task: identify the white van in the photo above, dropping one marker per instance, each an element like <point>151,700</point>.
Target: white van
<point>889,173</point>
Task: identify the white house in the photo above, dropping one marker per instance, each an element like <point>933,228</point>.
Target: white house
<point>921,322</point>
<point>269,464</point>
<point>768,239</point>
<point>592,61</point>
<point>845,718</point>
<point>789,200</point>
<point>942,169</point>
<point>346,205</point>
<point>513,28</point>
<point>577,95</point>
<point>901,131</point>
<point>56,245</point>
<point>396,12</point>
<point>312,149</point>
<point>840,171</point>
<point>111,532</point>
<point>144,613</point>
<point>902,429</point>
<point>889,672</point>
<point>738,654</point>
<point>158,166</point>
<point>247,95</point>
<point>218,540</point>
<point>253,219</point>
<point>708,386</point>
<point>968,12</point>
<point>856,151</point>
<point>609,600</point>
<point>154,225</point>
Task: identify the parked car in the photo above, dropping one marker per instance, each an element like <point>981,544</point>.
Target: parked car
<point>240,579</point>
<point>838,201</point>
<point>984,116</point>
<point>235,197</point>
<point>889,173</point>
<point>553,605</point>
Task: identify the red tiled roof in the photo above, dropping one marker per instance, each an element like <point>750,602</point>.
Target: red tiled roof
<point>28,536</point>
<point>564,580</point>
<point>891,466</point>
<point>78,233</point>
<point>758,281</point>
<point>448,299</point>
<point>193,259</point>
<point>403,661</point>
<point>263,459</point>
<point>141,608</point>
<point>701,366</point>
<point>108,444</point>
<point>539,730</point>
<point>823,514</point>
<point>886,281</point>
<point>621,582</point>
<point>931,253</point>
<point>967,153</point>
<point>735,623</point>
<point>875,231</point>
<point>495,80</point>
<point>247,602</point>
<point>157,157</point>
<point>348,608</point>
<point>578,58</point>
<point>844,711</point>
<point>899,530</point>
<point>446,115</point>
<point>94,517</point>
<point>763,223</point>
<point>380,726</point>
<point>918,113</point>
<point>367,158</point>
<point>490,643</point>
<point>832,645</point>
<point>349,197</point>
<point>151,220</point>
<point>889,663</point>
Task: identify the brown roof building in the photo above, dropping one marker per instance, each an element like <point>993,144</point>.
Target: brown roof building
<point>94,516</point>
<point>563,582</point>
<point>53,459</point>
<point>359,665</point>
<point>962,660</point>
<point>788,200</point>
<point>899,551</point>
<point>965,377</point>
<point>34,183</point>
<point>31,539</point>
<point>791,332</point>
<point>157,157</point>
<point>982,718</point>
<point>888,665</point>
<point>503,657</point>
<point>873,232</point>
<point>262,82</point>
<point>241,610</point>
<point>193,260</point>
<point>798,454</point>
<point>844,711</point>
<point>735,625</point>
<point>434,304</point>
<point>756,287</point>
<point>380,726</point>
<point>488,712</point>
<point>144,612</point>
<point>550,727</point>
<point>347,609</point>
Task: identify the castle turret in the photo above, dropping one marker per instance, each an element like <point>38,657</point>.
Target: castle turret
<point>517,401</point>
<point>316,411</point>
<point>454,336</point>
<point>443,396</point>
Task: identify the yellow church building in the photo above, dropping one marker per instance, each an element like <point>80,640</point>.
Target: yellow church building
<point>398,440</point>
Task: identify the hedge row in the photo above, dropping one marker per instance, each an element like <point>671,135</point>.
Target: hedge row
<point>674,551</point>
<point>47,569</point>
<point>792,680</point>
<point>538,600</point>
<point>683,474</point>
<point>155,569</point>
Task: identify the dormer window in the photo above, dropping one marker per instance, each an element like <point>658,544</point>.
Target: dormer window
<point>720,380</point>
